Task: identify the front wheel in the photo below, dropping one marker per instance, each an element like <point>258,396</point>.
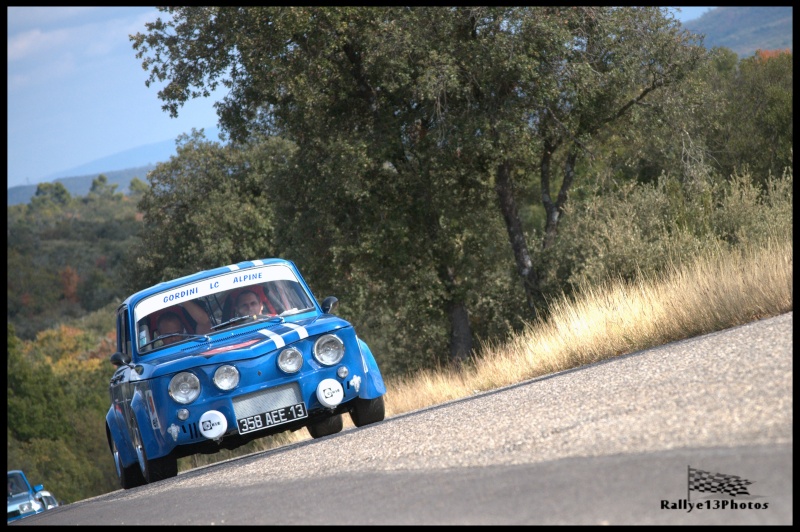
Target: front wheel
<point>366,411</point>
<point>129,477</point>
<point>155,469</point>
<point>160,468</point>
<point>326,427</point>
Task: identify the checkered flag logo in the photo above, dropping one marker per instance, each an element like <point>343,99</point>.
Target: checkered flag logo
<point>700,480</point>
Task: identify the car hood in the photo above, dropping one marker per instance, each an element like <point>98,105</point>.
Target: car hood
<point>15,500</point>
<point>238,344</point>
<point>19,498</point>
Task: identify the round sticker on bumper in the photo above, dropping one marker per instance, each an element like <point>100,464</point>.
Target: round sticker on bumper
<point>330,393</point>
<point>213,424</point>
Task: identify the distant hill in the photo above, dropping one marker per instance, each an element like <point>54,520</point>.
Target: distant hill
<point>119,168</point>
<point>147,154</point>
<point>80,185</point>
<point>745,29</point>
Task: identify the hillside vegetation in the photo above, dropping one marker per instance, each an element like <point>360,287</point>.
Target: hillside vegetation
<point>511,247</point>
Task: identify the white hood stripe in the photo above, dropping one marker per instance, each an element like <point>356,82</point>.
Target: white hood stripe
<point>278,338</point>
<point>274,337</point>
<point>299,328</point>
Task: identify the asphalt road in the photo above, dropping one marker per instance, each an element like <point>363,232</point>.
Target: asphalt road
<point>609,443</point>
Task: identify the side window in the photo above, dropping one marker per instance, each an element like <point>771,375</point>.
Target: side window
<point>120,321</point>
<point>126,332</point>
<point>123,331</point>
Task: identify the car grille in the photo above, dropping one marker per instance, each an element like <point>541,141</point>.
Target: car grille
<point>267,400</point>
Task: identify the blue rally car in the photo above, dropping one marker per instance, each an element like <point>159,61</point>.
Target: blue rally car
<point>217,359</point>
<point>25,500</point>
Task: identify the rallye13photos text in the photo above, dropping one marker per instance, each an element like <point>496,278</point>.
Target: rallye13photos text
<point>226,378</point>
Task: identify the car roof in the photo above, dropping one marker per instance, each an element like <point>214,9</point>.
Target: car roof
<point>166,285</point>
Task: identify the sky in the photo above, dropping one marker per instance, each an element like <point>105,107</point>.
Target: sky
<point>76,92</point>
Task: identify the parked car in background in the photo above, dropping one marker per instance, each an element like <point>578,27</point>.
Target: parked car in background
<point>25,500</point>
<point>217,359</point>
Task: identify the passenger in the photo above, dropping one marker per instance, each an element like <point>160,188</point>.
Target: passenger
<point>199,316</point>
<point>170,323</point>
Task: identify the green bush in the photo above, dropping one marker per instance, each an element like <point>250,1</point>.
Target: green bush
<point>626,230</point>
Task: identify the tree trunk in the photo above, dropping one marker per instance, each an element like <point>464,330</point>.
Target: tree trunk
<point>555,210</point>
<point>508,206</point>
<point>460,334</point>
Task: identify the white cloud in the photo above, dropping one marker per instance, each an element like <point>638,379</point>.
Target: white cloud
<point>35,44</point>
<point>47,44</point>
<point>22,18</point>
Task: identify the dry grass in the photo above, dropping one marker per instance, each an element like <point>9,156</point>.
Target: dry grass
<point>717,292</point>
<point>722,290</point>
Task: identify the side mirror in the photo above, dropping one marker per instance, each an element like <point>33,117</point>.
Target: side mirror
<point>120,359</point>
<point>37,488</point>
<point>329,304</point>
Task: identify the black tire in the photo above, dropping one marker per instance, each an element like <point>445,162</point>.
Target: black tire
<point>159,468</point>
<point>155,469</point>
<point>326,427</point>
<point>129,477</point>
<point>366,411</point>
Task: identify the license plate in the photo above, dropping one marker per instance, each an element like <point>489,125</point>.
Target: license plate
<point>279,416</point>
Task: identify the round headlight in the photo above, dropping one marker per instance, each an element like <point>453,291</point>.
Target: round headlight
<point>328,350</point>
<point>226,377</point>
<point>290,360</point>
<point>184,387</point>
<point>30,506</point>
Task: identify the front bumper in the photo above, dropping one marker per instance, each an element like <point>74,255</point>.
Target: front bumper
<point>216,420</point>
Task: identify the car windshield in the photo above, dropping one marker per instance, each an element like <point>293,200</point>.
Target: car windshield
<point>16,484</point>
<point>191,311</point>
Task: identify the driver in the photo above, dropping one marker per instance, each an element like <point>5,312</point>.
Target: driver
<point>248,304</point>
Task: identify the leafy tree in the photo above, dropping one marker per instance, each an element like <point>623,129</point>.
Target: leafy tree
<point>755,129</point>
<point>55,193</point>
<point>207,206</point>
<point>34,399</point>
<point>101,187</point>
<point>57,399</point>
<point>96,290</point>
<point>489,94</point>
<point>47,205</point>
<point>137,187</point>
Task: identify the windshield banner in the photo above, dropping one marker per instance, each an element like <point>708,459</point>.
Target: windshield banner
<point>212,285</point>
